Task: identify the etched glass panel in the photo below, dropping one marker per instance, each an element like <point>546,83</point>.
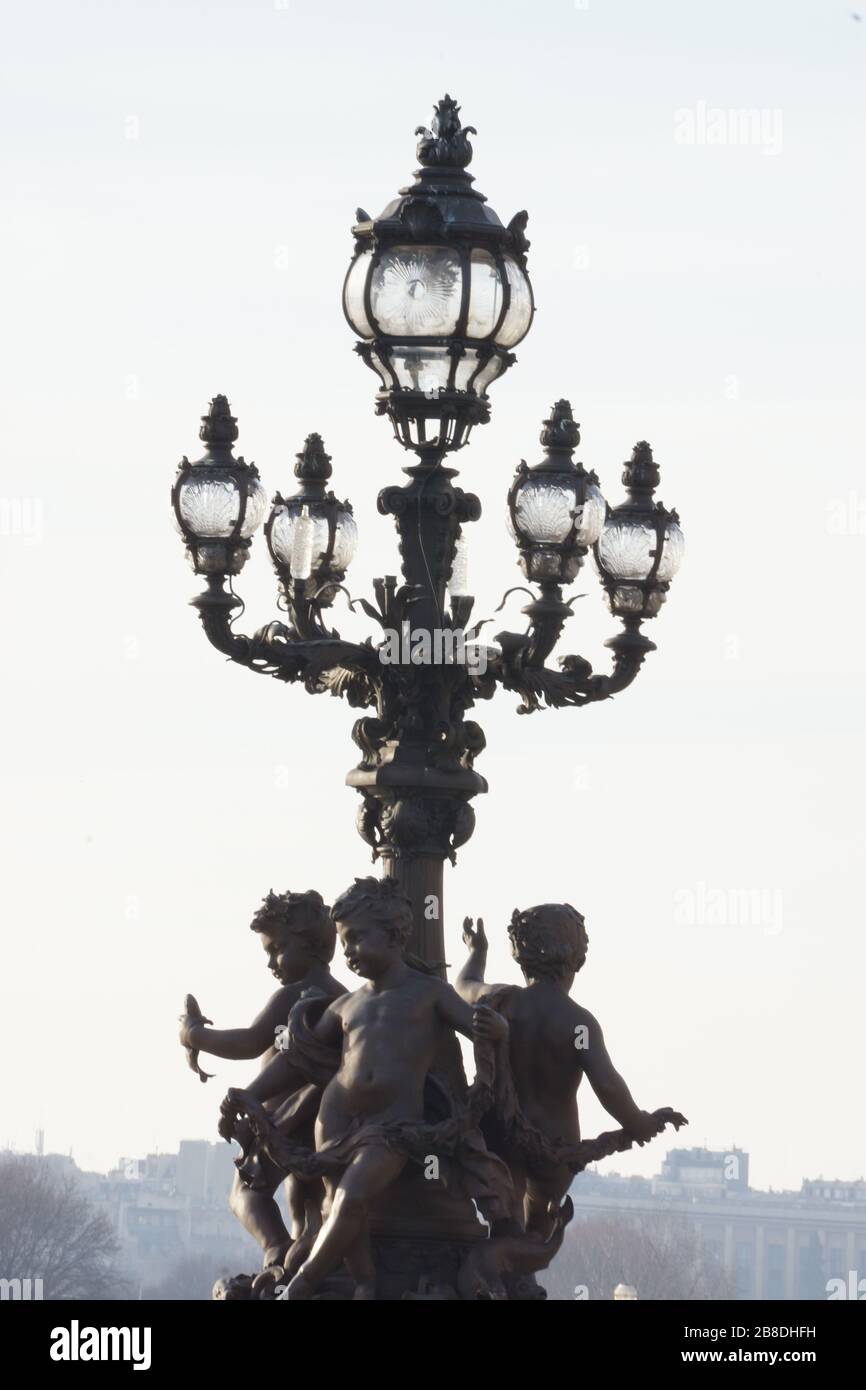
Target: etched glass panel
<point>416,291</point>
<point>485,295</point>
<point>591,516</point>
<point>209,507</point>
<point>422,368</point>
<point>545,511</point>
<point>257,506</point>
<point>283,535</point>
<point>353,295</point>
<point>345,541</point>
<point>378,366</point>
<point>489,372</point>
<point>672,555</point>
<point>466,365</point>
<point>345,538</point>
<point>626,549</point>
<point>516,323</point>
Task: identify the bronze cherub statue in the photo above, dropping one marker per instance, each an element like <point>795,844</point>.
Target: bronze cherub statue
<point>299,939</point>
<point>553,1042</point>
<point>370,1093</point>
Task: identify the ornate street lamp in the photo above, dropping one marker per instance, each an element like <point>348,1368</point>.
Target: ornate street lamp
<point>218,501</point>
<point>438,294</point>
<point>312,538</point>
<point>641,545</point>
<point>555,510</point>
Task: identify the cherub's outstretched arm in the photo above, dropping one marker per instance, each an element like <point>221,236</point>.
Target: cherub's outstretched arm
<point>470,980</point>
<point>240,1044</point>
<point>287,1070</point>
<point>605,1080</point>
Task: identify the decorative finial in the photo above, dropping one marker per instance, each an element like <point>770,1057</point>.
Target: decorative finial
<point>446,143</point>
<point>560,430</point>
<point>641,473</point>
<point>313,464</point>
<point>219,426</point>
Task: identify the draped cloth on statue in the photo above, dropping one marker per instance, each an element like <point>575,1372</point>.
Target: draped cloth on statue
<point>449,1130</point>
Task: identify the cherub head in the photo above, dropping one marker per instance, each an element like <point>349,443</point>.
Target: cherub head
<point>374,919</point>
<point>548,942</point>
<point>296,931</point>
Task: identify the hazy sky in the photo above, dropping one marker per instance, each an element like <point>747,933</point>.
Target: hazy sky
<point>178,186</point>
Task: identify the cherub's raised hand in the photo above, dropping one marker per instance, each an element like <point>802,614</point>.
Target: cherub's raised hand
<point>644,1127</point>
<point>488,1025</point>
<point>474,937</point>
<point>653,1122</point>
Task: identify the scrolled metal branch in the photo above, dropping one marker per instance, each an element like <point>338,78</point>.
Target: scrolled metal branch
<point>322,664</point>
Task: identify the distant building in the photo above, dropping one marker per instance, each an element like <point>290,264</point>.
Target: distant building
<point>165,1206</point>
<point>784,1245</point>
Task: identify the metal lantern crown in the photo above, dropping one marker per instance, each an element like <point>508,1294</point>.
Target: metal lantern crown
<point>555,510</point>
<point>218,501</point>
<point>312,536</point>
<point>641,546</point>
<point>438,293</point>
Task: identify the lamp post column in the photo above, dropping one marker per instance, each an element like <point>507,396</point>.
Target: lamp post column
<point>416,778</point>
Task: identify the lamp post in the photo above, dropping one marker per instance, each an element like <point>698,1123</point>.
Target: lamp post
<point>438,295</point>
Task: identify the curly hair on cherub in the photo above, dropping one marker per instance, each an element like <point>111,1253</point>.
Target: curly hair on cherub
<point>381,899</point>
<point>299,914</point>
<point>548,941</point>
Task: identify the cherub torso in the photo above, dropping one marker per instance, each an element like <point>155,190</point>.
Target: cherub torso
<point>389,1042</point>
<point>545,1063</point>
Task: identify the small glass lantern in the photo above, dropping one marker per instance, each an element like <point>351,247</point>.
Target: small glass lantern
<point>312,536</point>
<point>438,293</point>
<point>641,546</point>
<point>555,510</point>
<point>218,501</point>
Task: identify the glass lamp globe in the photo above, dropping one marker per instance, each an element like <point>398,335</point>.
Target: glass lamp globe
<point>218,501</point>
<point>312,537</point>
<point>555,510</point>
<point>641,544</point>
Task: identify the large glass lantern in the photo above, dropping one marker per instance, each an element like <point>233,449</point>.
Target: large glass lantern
<point>218,501</point>
<point>555,510</point>
<point>311,535</point>
<point>438,293</point>
<point>641,545</point>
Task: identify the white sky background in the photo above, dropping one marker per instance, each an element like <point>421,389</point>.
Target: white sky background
<point>708,299</point>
